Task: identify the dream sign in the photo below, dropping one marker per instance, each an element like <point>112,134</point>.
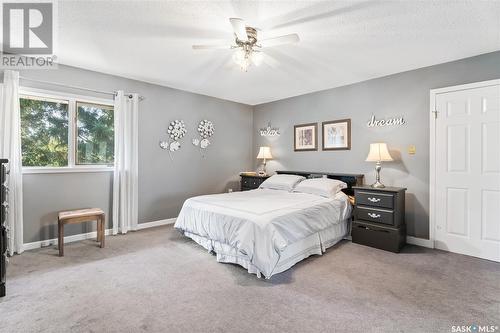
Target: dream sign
<point>386,122</point>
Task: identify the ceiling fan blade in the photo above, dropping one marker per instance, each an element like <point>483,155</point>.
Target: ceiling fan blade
<point>239,28</point>
<point>211,47</point>
<point>286,39</point>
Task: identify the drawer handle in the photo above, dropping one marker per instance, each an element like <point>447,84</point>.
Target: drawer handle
<point>373,199</point>
<point>373,215</point>
<point>374,230</point>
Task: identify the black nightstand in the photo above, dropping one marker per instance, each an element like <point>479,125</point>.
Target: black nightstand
<point>379,217</point>
<point>250,182</point>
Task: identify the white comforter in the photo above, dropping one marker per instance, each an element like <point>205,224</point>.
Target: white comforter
<point>261,223</point>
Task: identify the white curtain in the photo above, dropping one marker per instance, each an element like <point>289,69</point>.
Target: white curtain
<point>10,147</point>
<point>125,181</point>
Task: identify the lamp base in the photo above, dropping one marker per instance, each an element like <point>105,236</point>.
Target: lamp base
<point>377,184</point>
<point>262,172</point>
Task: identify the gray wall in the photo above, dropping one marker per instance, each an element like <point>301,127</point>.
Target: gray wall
<point>164,184</point>
<point>405,94</point>
<point>46,194</point>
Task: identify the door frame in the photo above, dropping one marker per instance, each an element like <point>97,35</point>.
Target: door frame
<point>432,148</point>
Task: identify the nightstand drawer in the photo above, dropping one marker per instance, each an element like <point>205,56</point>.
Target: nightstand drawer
<point>374,215</point>
<point>366,198</point>
<point>250,182</point>
<point>389,239</point>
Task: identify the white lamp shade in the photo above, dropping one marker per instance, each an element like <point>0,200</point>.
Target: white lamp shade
<point>378,153</point>
<point>265,152</point>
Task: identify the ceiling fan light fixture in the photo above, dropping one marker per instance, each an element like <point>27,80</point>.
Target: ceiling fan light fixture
<point>242,59</point>
<point>245,64</point>
<point>248,46</point>
<point>245,56</point>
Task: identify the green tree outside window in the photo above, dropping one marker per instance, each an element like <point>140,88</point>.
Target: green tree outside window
<point>45,125</point>
<point>44,132</point>
<point>95,139</point>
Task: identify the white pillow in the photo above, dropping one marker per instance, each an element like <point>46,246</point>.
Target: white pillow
<point>282,182</point>
<point>324,187</point>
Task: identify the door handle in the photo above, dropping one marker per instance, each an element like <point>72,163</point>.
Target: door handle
<point>373,215</point>
<point>373,199</point>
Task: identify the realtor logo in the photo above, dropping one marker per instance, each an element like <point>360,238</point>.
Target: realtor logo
<point>28,35</point>
<point>27,28</point>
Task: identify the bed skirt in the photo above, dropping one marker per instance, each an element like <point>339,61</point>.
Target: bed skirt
<point>316,243</point>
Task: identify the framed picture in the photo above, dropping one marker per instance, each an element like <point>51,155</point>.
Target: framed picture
<point>305,137</point>
<point>337,135</point>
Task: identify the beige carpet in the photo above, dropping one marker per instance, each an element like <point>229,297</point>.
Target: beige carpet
<point>157,281</point>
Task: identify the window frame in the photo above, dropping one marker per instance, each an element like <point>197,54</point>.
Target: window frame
<point>72,99</point>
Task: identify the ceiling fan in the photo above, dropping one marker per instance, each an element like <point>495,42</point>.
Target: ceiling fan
<point>248,46</point>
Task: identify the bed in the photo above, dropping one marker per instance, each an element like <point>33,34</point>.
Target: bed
<point>268,231</point>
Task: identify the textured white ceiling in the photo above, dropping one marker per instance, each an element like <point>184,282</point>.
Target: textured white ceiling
<point>342,42</point>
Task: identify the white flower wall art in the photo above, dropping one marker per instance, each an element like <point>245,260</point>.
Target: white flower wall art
<point>176,131</point>
<point>205,129</point>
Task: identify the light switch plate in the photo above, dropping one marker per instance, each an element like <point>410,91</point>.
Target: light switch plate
<point>412,150</point>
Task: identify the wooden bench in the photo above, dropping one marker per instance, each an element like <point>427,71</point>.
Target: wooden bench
<point>80,216</point>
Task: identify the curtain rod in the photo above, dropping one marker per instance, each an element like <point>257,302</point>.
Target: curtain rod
<point>112,93</point>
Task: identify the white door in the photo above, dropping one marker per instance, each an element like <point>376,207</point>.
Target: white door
<point>467,170</point>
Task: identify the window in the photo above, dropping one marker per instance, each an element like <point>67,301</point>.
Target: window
<point>66,132</point>
<point>44,132</point>
<point>95,134</point>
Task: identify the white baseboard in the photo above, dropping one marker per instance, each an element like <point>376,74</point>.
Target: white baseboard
<point>420,241</point>
<point>75,238</point>
<point>155,223</point>
<point>93,234</point>
<point>67,239</point>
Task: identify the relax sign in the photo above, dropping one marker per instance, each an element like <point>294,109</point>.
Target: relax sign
<point>385,122</point>
<point>269,131</point>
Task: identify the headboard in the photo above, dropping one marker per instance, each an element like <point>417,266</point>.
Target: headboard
<point>349,178</point>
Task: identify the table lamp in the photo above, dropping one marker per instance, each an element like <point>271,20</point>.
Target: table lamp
<point>378,153</point>
<point>264,154</point>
